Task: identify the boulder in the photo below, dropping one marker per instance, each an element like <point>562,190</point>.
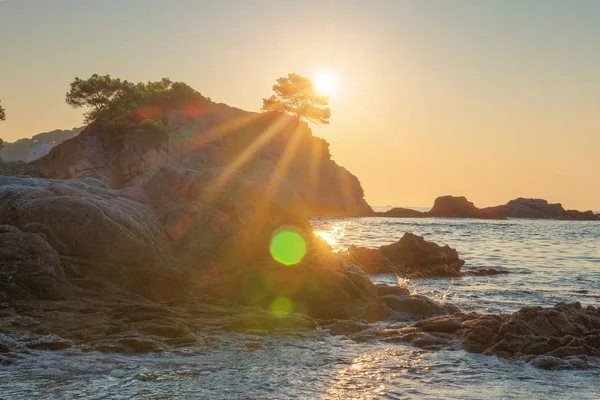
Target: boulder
<point>372,261</point>
<point>414,256</point>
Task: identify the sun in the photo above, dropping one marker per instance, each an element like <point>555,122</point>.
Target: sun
<point>326,82</point>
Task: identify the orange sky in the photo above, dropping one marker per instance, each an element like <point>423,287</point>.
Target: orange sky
<point>488,100</point>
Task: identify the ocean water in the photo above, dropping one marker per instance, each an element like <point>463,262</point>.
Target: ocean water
<point>549,262</point>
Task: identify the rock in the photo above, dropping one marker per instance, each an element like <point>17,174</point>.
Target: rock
<point>413,256</point>
<point>346,327</point>
<point>372,261</point>
<point>484,271</point>
<point>214,139</point>
<point>384,290</point>
<point>539,208</point>
<point>418,305</point>
<point>458,207</point>
<point>29,266</point>
<point>566,336</point>
<point>400,212</point>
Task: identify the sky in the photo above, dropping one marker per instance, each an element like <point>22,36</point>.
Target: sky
<point>491,100</point>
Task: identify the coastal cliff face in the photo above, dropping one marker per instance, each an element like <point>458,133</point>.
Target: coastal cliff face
<point>273,152</point>
<point>460,207</point>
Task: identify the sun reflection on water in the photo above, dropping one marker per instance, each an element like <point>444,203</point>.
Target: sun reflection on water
<point>363,378</point>
<point>334,234</point>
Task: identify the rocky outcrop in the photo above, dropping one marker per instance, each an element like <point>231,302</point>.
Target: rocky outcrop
<point>460,207</point>
<point>272,151</point>
<point>166,244</point>
<point>561,337</point>
<point>539,208</point>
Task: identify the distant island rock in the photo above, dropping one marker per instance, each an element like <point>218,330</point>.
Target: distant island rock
<point>460,207</point>
<point>30,149</point>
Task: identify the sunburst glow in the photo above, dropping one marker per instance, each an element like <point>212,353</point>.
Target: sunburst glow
<point>326,82</point>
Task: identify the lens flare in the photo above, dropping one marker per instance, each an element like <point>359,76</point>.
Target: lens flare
<point>288,246</point>
<point>282,305</point>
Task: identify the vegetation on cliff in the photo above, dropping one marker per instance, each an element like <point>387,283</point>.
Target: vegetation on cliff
<point>118,104</point>
<point>296,95</point>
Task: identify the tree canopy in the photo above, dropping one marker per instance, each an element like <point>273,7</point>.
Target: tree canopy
<point>2,113</point>
<point>296,95</point>
<point>116,103</point>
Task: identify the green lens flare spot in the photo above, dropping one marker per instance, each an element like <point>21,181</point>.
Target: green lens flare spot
<point>281,305</point>
<point>288,246</point>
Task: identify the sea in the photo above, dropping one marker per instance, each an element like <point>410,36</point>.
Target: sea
<point>548,262</point>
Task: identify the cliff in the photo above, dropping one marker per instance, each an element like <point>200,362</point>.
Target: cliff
<point>271,151</point>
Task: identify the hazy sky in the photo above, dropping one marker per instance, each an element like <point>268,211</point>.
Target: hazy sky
<point>491,100</point>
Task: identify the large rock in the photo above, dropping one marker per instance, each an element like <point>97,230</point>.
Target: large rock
<point>100,232</point>
<point>561,337</point>
<point>458,207</point>
<point>415,257</point>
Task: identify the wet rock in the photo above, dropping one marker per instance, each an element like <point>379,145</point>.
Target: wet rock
<point>50,344</point>
<point>415,257</point>
<point>384,290</point>
<point>346,327</point>
<point>566,336</point>
<point>418,305</point>
<point>372,261</point>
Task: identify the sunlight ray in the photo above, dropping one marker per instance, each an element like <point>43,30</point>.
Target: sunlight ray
<point>222,179</point>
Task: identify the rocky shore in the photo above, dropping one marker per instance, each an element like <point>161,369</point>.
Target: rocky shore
<point>460,207</point>
<point>149,240</point>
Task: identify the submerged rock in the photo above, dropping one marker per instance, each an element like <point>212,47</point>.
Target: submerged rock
<point>484,271</point>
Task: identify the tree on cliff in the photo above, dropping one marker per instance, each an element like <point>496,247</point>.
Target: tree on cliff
<point>118,104</point>
<point>2,113</point>
<point>98,92</point>
<point>296,95</point>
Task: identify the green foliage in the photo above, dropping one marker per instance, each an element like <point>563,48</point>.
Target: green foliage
<point>296,95</point>
<point>117,105</point>
<point>2,113</point>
